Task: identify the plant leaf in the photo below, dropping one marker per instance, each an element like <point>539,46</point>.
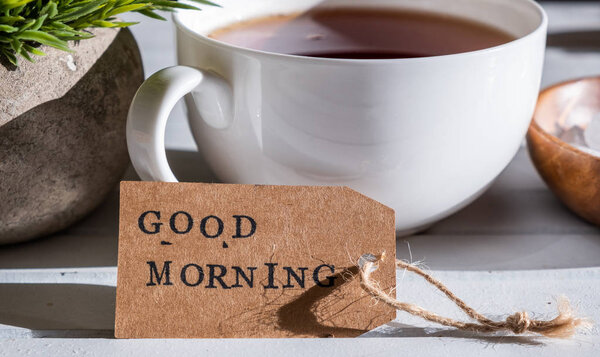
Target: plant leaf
<point>33,50</point>
<point>151,14</point>
<point>80,11</point>
<point>8,28</point>
<point>126,8</point>
<point>39,22</point>
<point>51,9</point>
<point>10,56</point>
<point>24,53</point>
<point>26,24</point>
<point>10,20</point>
<point>173,4</point>
<point>206,2</point>
<point>45,39</point>
<point>16,45</point>
<point>6,5</point>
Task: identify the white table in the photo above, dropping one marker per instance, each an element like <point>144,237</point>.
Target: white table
<point>514,248</point>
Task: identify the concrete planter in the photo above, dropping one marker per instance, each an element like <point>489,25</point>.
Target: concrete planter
<point>62,133</point>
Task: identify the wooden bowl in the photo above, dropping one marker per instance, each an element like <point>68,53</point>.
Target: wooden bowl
<point>571,173</point>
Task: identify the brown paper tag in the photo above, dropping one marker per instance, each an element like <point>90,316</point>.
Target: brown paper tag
<point>217,260</point>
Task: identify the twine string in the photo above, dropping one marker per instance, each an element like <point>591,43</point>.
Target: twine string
<point>564,325</point>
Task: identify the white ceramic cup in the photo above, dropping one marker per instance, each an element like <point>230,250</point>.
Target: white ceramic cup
<point>424,136</point>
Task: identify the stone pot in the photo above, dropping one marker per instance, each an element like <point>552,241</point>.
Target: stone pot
<point>62,132</point>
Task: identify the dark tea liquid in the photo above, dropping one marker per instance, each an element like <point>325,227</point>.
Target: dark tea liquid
<point>362,34</point>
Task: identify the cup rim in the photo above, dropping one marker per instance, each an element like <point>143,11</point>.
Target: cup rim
<point>180,24</point>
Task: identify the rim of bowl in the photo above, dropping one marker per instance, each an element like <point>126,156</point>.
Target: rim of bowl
<point>346,61</point>
<point>535,126</point>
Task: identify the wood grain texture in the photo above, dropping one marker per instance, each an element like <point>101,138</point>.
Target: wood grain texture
<point>573,175</point>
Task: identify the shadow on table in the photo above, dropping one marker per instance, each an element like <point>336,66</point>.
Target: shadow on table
<point>575,41</point>
<point>517,224</point>
<point>59,310</point>
<point>503,231</point>
<point>88,311</point>
<point>93,241</point>
<point>395,329</point>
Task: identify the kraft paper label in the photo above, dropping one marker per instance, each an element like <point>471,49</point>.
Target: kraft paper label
<point>224,261</point>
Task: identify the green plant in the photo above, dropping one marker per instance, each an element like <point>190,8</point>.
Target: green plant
<point>27,24</point>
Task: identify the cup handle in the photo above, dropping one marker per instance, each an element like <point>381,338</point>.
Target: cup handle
<point>154,101</point>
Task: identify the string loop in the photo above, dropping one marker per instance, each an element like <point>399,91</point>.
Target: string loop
<point>564,325</point>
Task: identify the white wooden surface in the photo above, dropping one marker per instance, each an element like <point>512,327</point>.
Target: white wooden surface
<point>514,248</point>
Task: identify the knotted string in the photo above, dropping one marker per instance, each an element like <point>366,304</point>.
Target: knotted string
<point>562,326</point>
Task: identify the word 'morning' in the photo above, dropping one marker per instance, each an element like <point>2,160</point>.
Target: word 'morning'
<point>214,276</point>
<point>181,222</point>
